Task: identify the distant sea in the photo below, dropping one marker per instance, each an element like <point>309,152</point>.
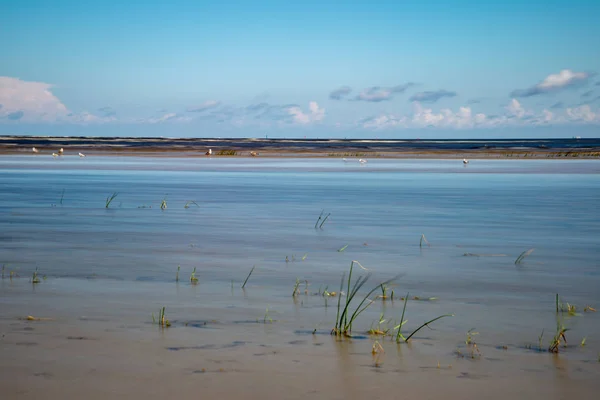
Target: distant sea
<point>140,143</point>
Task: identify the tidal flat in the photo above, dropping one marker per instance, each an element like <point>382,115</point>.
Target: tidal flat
<point>112,240</point>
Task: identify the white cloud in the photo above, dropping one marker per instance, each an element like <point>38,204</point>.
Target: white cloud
<point>515,115</point>
<point>515,109</point>
<point>29,101</point>
<point>207,105</point>
<point>33,102</point>
<point>172,117</point>
<point>553,83</point>
<point>315,114</point>
<point>583,113</point>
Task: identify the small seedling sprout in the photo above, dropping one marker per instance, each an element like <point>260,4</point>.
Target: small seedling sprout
<point>193,278</point>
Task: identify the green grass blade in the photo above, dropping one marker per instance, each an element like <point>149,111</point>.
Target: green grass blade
<point>426,324</point>
<point>523,255</point>
<point>399,334</point>
<point>248,277</point>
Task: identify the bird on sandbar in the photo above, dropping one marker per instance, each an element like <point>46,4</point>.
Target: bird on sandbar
<point>35,150</point>
<point>81,155</point>
<point>465,161</point>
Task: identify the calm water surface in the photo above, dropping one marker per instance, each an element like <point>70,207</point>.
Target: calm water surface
<point>121,261</point>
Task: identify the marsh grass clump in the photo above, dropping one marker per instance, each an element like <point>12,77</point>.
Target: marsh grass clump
<point>346,316</point>
<point>523,255</point>
<point>384,293</point>
<point>556,340</point>
<point>267,317</point>
<point>561,307</point>
<point>248,277</point>
<point>110,198</point>
<point>162,320</point>
<point>381,329</point>
<point>471,343</point>
<point>193,278</point>
<point>35,277</point>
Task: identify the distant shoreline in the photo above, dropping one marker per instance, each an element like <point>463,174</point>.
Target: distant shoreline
<point>247,147</point>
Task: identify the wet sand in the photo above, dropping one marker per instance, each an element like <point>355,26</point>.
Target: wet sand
<point>87,352</point>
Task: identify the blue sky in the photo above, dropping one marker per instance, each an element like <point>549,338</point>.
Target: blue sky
<point>294,69</point>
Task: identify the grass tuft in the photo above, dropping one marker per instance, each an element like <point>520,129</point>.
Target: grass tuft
<point>187,205</point>
<point>162,320</point>
<point>110,198</point>
<point>35,278</point>
<point>345,317</point>
<point>523,255</point>
<point>193,278</point>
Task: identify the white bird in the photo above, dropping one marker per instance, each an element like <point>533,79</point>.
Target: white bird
<point>465,161</point>
<point>35,150</point>
<point>209,152</point>
<point>54,155</point>
<point>344,159</point>
<point>60,152</point>
<point>362,161</point>
<point>81,155</point>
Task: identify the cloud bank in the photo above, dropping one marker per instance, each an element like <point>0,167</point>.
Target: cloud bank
<point>515,114</point>
<point>431,96</point>
<point>554,83</point>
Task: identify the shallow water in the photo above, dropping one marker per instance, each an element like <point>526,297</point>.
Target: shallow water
<point>109,269</point>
